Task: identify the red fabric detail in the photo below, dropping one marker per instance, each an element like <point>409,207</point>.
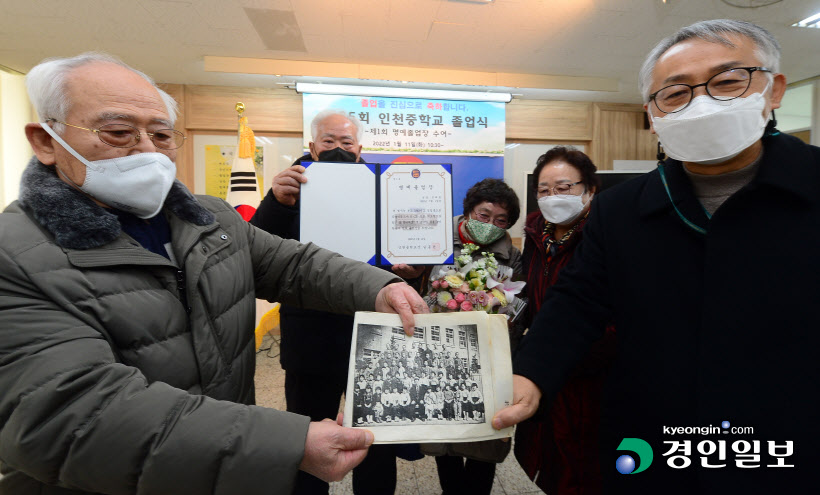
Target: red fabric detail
<point>464,240</point>
<point>535,260</point>
<point>562,446</point>
<point>246,211</point>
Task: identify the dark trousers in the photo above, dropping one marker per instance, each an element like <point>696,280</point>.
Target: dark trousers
<point>376,475</point>
<point>457,476</point>
<point>318,396</point>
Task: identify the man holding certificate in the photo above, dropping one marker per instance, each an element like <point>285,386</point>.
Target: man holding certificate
<point>315,344</point>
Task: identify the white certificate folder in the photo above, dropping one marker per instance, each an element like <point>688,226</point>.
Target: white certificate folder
<point>382,214</point>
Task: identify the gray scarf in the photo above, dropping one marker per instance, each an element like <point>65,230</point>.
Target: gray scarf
<point>77,222</point>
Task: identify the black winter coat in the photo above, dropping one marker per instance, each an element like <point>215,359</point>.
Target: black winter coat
<point>313,342</point>
<point>711,328</point>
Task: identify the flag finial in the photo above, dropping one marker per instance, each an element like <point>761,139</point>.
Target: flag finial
<point>244,191</point>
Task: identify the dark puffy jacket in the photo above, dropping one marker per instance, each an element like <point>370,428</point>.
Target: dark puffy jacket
<point>110,384</point>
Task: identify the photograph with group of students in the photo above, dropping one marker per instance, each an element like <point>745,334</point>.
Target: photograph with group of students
<point>684,297</point>
<point>425,385</point>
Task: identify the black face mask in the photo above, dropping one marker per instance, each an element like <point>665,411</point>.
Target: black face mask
<point>337,155</point>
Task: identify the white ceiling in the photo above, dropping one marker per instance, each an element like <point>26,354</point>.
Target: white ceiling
<point>600,38</point>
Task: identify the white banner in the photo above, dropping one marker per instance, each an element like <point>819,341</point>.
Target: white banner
<point>417,126</point>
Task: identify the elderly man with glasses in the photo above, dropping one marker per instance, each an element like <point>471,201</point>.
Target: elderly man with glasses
<point>127,306</point>
<point>708,268</point>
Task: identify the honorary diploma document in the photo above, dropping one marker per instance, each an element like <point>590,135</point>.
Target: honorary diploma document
<point>380,214</point>
<point>417,208</point>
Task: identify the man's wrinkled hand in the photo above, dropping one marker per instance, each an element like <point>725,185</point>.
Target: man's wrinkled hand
<point>287,185</point>
<point>526,397</point>
<point>402,299</point>
<point>331,450</point>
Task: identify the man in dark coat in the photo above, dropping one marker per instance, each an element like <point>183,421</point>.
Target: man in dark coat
<point>315,345</point>
<point>416,398</point>
<point>708,267</point>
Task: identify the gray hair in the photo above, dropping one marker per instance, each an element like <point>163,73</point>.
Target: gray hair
<point>714,31</point>
<point>46,85</point>
<point>314,124</point>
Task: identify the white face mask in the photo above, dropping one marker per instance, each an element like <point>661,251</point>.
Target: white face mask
<point>710,131</point>
<point>562,209</point>
<point>137,184</point>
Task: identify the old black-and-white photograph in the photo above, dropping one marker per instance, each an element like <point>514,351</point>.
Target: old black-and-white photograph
<point>439,385</point>
<point>432,378</point>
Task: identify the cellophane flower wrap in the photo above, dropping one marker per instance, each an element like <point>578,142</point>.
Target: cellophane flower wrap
<point>474,285</point>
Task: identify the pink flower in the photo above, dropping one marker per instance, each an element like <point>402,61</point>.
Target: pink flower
<point>473,297</point>
<point>444,284</point>
<point>436,284</point>
<point>465,288</point>
<point>460,297</point>
<point>452,304</point>
<point>484,298</point>
<point>466,306</point>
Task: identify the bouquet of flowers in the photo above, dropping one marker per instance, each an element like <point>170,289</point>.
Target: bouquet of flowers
<point>475,285</point>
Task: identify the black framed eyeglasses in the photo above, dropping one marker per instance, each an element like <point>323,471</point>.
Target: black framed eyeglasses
<point>127,136</point>
<point>723,86</point>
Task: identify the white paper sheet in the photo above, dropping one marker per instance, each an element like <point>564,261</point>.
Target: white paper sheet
<point>417,212</point>
<point>337,209</point>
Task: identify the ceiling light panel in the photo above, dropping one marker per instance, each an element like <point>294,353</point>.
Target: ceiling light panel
<point>810,22</point>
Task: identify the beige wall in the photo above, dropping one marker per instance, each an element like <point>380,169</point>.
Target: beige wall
<point>15,152</point>
<point>608,131</point>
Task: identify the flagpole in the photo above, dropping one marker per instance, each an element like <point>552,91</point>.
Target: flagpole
<point>244,192</point>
